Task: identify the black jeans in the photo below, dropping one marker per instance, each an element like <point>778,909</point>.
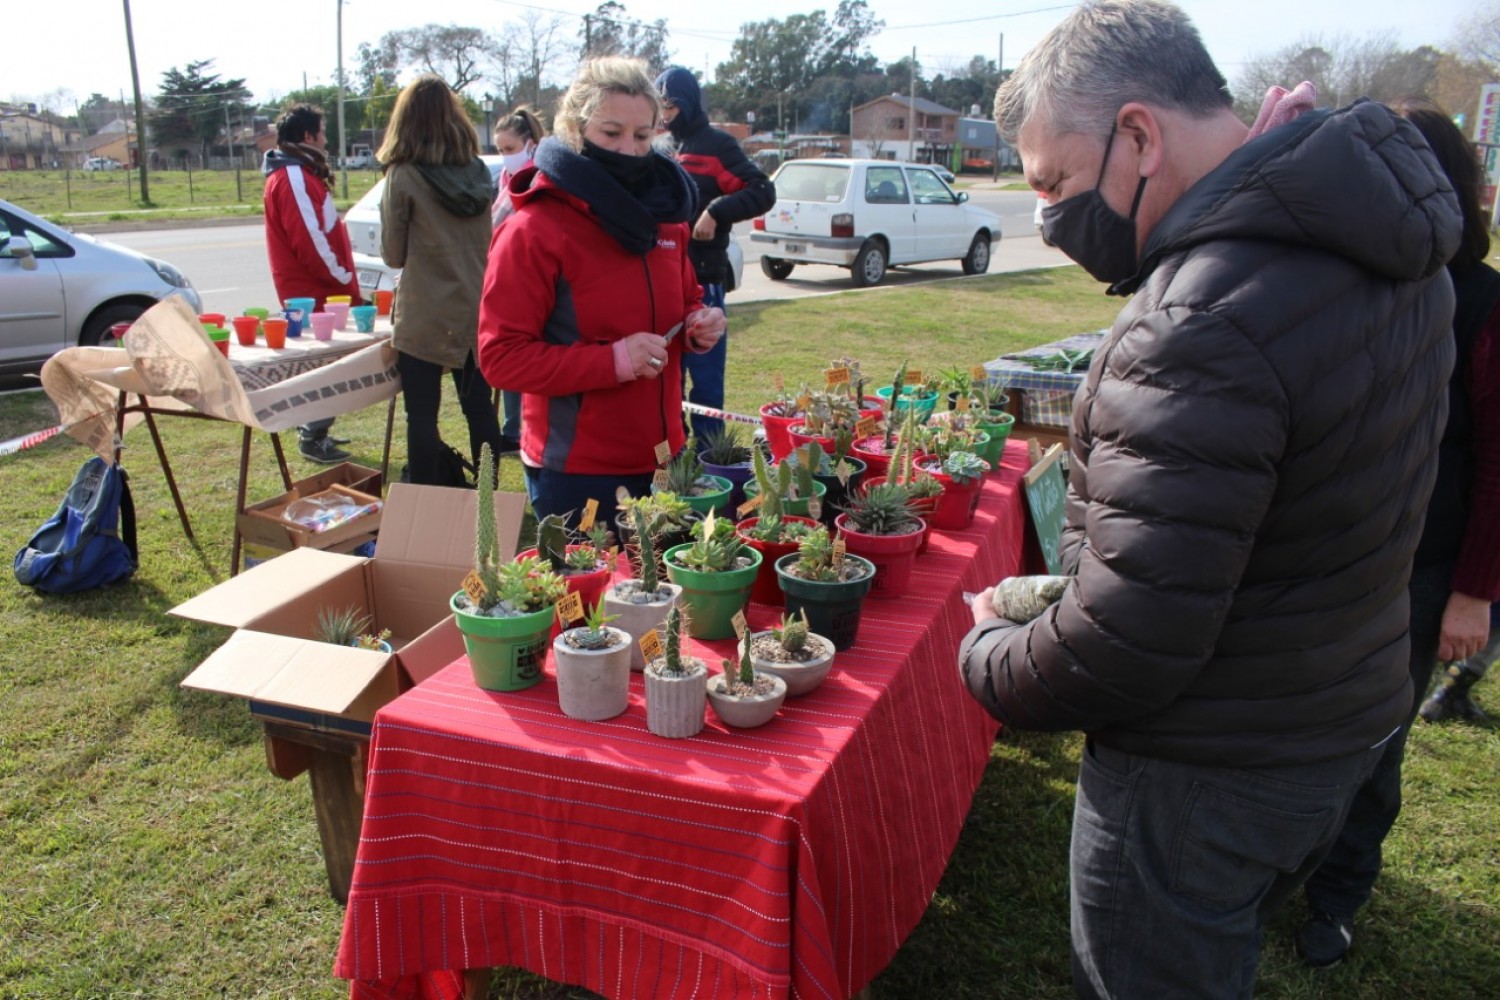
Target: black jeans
<point>422,394</point>
<point>1342,883</point>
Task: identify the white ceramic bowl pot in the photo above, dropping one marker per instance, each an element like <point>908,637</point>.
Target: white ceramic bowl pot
<point>592,683</point>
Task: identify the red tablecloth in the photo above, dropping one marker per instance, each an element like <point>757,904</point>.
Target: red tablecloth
<point>789,860</point>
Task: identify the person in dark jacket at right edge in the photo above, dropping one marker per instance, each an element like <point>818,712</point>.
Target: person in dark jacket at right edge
<point>730,189</point>
<point>1252,452</point>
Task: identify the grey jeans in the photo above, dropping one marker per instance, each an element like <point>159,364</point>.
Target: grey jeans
<point>1176,866</point>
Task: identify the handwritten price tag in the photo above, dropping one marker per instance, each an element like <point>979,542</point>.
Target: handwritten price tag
<point>740,624</point>
<point>803,402</point>
<point>814,508</point>
<point>650,644</point>
<point>473,586</point>
<point>745,509</point>
<point>840,547</point>
<point>804,455</point>
<point>663,453</point>
<point>914,376</point>
<point>963,402</point>
<point>570,608</point>
<point>590,511</point>
<point>843,470</point>
<point>978,374</point>
<point>659,479</point>
<point>864,427</point>
<point>836,376</point>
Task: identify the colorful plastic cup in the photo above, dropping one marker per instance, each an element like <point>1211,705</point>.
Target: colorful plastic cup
<point>384,298</point>
<point>293,319</point>
<point>307,304</point>
<point>364,318</point>
<point>211,319</point>
<point>275,328</point>
<point>257,312</point>
<point>116,334</point>
<point>245,329</point>
<point>220,338</point>
<point>340,312</point>
<point>322,325</point>
<point>340,299</point>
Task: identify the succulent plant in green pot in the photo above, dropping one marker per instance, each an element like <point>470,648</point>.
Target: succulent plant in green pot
<point>716,571</point>
<point>826,588</point>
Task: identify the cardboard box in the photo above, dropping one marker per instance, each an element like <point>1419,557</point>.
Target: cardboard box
<point>261,524</point>
<point>425,548</point>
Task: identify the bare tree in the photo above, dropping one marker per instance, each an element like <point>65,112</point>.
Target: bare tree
<point>539,44</point>
<point>453,52</point>
<point>1341,68</point>
<point>1478,37</point>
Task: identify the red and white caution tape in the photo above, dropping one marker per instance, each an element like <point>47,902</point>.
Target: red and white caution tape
<point>709,411</point>
<point>29,440</point>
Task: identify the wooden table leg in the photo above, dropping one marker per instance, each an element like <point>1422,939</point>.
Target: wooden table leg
<point>166,468</point>
<point>335,767</point>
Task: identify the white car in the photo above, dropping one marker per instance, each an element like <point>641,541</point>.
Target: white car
<point>101,163</point>
<point>62,289</point>
<point>868,215</point>
<point>363,221</point>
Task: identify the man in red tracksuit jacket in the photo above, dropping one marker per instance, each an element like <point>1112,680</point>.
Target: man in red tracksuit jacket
<point>309,247</point>
<point>730,189</point>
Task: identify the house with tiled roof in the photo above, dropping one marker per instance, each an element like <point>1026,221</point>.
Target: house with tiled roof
<point>898,127</point>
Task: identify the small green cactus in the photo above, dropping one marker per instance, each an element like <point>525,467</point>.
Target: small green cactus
<point>650,575</point>
<point>594,632</point>
<point>815,556</point>
<point>793,631</point>
<point>742,675</point>
<point>671,656</point>
<point>486,544</point>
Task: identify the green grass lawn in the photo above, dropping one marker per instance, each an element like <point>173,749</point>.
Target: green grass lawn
<point>145,850</point>
<point>77,197</point>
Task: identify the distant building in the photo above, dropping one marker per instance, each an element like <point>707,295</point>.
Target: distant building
<point>31,139</point>
<point>900,128</point>
<point>980,147</point>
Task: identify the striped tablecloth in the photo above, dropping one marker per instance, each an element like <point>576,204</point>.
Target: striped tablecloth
<point>785,861</point>
<point>1015,374</point>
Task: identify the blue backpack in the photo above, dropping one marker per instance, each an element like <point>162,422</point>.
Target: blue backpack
<point>83,545</point>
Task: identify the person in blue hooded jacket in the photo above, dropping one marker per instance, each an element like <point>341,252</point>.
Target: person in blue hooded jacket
<point>730,189</point>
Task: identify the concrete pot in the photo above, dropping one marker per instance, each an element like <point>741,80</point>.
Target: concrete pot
<point>745,712</point>
<point>800,678</point>
<point>674,705</point>
<point>638,618</point>
<point>593,684</point>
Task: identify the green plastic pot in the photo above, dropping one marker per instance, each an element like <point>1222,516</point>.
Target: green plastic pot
<point>797,506</point>
<point>712,599</point>
<point>716,500</point>
<point>505,654</point>
<point>998,432</point>
<point>833,609</point>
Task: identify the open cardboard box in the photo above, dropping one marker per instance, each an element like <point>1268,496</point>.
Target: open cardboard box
<point>424,550</point>
<point>266,523</point>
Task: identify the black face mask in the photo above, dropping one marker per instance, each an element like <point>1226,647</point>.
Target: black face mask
<point>1099,239</point>
<point>630,171</point>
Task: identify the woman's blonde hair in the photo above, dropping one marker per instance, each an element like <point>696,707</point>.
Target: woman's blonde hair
<point>596,79</point>
<point>429,126</point>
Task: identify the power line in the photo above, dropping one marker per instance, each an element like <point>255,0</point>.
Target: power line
<point>974,20</point>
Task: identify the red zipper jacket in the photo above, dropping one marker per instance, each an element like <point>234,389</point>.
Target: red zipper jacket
<point>305,238</point>
<point>559,291</point>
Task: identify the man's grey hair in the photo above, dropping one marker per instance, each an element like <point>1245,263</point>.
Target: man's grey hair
<point>1106,54</point>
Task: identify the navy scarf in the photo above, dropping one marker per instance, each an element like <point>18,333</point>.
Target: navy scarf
<point>631,217</point>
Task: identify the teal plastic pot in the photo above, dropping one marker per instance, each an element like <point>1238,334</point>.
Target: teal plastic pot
<point>924,403</point>
<point>833,609</point>
<point>505,654</point>
<point>712,599</point>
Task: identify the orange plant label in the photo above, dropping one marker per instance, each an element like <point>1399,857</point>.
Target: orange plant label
<point>473,586</point>
<point>978,374</point>
<point>914,376</point>
<point>962,403</point>
<point>663,453</point>
<point>840,547</point>
<point>836,376</point>
<point>748,507</point>
<point>570,608</point>
<point>650,643</point>
<point>864,427</point>
<point>590,511</point>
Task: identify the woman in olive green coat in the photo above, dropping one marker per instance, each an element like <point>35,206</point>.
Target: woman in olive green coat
<point>435,226</point>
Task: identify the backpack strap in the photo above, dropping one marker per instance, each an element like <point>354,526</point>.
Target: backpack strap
<point>127,518</point>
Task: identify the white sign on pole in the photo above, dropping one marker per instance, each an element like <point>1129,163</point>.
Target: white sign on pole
<point>1487,122</point>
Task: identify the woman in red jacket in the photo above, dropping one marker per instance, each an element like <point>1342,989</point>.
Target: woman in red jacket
<point>590,299</point>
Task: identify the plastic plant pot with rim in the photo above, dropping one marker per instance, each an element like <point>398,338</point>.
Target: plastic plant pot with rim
<point>766,589</point>
<point>737,475</point>
<point>593,684</point>
<point>998,431</point>
<point>799,435</point>
<point>712,599</point>
<point>923,506</point>
<point>588,585</point>
<point>505,654</point>
<point>716,500</point>
<point>833,607</point>
<point>958,502</point>
<point>835,492</point>
<point>892,555</point>
<point>924,402</point>
<point>798,506</point>
<point>871,451</point>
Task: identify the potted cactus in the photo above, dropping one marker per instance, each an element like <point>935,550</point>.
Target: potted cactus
<point>701,491</point>
<point>793,652</point>
<point>906,394</point>
<point>775,528</point>
<point>347,627</point>
<point>778,415</point>
<point>827,590</point>
<point>875,450</point>
<point>839,472</point>
<point>505,611</point>
<point>668,518</point>
<point>724,456</point>
<point>592,662</point>
<point>676,685</point>
<point>585,566</point>
<point>925,491</point>
<point>641,603</point>
<point>716,571</point>
<point>742,696</point>
<point>962,475</point>
<point>827,413</point>
<point>879,524</point>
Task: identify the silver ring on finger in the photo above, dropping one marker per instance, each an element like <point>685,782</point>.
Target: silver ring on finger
<point>654,362</point>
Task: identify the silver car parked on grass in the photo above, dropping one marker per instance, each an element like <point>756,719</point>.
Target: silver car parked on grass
<point>63,289</point>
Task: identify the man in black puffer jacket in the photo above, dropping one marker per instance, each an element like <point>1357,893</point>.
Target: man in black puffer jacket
<point>730,189</point>
<point>1253,449</point>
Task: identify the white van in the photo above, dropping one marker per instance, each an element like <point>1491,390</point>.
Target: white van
<point>866,215</point>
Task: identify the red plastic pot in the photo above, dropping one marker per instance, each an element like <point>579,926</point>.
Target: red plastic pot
<point>924,506</point>
<point>777,438</point>
<point>958,502</point>
<point>767,589</point>
<point>871,451</point>
<point>892,555</point>
<point>800,437</point>
<point>589,586</point>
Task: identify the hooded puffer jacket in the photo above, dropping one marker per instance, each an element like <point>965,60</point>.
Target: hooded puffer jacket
<point>1253,449</point>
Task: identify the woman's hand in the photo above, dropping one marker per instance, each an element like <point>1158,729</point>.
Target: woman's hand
<point>647,353</point>
<point>982,607</point>
<point>705,227</point>
<point>704,328</point>
<point>1465,628</point>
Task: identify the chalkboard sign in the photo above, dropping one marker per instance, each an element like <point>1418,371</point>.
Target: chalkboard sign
<point>1046,496</point>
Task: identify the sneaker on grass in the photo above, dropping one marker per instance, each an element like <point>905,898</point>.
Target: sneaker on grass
<point>1324,939</point>
<point>323,451</point>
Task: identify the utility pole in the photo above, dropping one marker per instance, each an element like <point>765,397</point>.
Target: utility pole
<point>588,35</point>
<point>343,148</point>
<point>140,119</point>
<point>999,80</point>
<point>911,119</point>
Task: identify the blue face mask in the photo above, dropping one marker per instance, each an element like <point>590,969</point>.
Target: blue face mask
<point>1095,236</point>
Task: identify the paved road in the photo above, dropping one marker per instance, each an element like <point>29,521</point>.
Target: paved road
<point>227,264</point>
